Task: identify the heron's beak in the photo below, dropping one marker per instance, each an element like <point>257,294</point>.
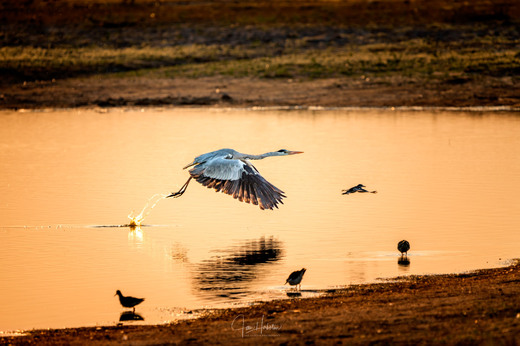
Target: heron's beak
<point>191,164</point>
<point>294,152</point>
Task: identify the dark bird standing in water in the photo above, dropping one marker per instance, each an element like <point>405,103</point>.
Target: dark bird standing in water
<point>295,278</point>
<point>403,246</point>
<point>357,188</point>
<point>229,171</point>
<point>128,302</point>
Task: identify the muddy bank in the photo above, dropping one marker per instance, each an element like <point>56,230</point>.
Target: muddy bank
<point>481,307</point>
<point>249,92</point>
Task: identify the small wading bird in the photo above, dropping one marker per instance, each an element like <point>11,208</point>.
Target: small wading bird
<point>231,172</point>
<point>296,278</point>
<point>357,188</point>
<point>128,302</point>
<point>403,246</point>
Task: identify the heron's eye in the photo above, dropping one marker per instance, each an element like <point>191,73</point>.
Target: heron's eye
<point>282,150</point>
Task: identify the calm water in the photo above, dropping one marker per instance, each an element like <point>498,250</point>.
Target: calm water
<point>446,182</point>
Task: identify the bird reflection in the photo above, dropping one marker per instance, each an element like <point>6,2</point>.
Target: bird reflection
<point>403,261</point>
<point>293,294</point>
<point>130,316</point>
<point>229,274</point>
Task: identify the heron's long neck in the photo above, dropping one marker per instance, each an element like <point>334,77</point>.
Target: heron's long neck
<point>261,156</point>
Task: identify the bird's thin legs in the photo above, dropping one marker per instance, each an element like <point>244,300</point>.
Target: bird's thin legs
<point>181,191</point>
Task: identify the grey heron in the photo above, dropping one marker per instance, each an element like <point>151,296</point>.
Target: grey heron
<point>357,188</point>
<point>403,246</point>
<point>231,172</point>
<point>128,302</point>
<point>296,277</point>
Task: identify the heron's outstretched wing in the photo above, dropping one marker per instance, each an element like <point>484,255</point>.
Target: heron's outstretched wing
<point>238,179</point>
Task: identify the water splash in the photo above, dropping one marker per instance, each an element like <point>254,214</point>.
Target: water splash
<point>136,220</point>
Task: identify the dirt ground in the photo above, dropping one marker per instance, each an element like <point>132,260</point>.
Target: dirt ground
<point>476,308</point>
<point>248,92</point>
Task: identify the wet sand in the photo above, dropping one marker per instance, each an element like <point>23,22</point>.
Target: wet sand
<point>481,307</point>
<point>221,91</point>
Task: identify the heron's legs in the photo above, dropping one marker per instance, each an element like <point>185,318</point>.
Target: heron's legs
<point>181,191</point>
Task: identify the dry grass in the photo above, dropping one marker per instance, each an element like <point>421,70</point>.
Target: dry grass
<point>408,58</point>
<point>449,42</point>
<point>356,61</point>
<point>296,58</point>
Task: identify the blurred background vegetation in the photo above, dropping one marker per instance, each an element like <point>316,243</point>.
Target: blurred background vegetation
<point>450,40</point>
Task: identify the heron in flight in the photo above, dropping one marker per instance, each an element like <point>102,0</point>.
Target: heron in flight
<point>231,172</point>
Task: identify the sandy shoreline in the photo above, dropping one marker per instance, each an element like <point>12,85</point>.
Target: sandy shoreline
<point>480,307</point>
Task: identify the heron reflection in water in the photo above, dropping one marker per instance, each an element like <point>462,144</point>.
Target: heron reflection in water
<point>231,172</point>
<point>229,274</point>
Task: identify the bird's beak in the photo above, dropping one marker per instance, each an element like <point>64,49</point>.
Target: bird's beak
<point>191,164</point>
<point>294,152</point>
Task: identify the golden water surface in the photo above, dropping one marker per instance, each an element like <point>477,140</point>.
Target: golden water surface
<point>448,182</point>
